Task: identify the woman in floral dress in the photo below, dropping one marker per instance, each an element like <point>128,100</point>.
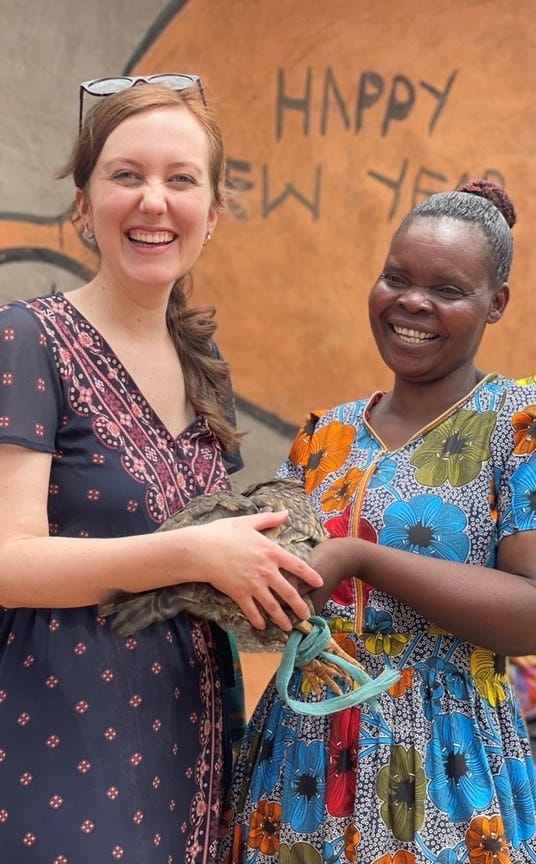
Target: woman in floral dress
<point>429,493</point>
<point>115,410</point>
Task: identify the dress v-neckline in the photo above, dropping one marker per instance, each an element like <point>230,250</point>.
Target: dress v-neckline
<point>377,395</point>
<point>133,385</point>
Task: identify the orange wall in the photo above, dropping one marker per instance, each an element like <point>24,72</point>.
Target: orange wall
<point>337,118</point>
<point>391,100</point>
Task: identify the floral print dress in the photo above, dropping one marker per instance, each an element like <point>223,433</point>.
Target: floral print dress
<point>111,750</point>
<point>443,773</point>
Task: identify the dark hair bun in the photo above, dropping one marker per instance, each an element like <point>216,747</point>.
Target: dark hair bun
<point>494,193</point>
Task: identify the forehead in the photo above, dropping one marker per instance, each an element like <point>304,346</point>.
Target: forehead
<point>437,249</point>
<point>443,237</point>
<point>170,131</point>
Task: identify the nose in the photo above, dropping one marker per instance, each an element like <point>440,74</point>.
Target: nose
<point>153,197</point>
<point>414,298</point>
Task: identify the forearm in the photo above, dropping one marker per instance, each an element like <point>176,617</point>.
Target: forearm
<point>62,572</point>
<point>491,608</point>
<point>231,554</point>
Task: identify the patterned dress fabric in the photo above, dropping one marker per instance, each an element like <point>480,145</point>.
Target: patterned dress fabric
<point>111,750</point>
<point>443,773</point>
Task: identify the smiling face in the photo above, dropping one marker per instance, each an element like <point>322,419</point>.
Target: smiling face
<point>433,299</point>
<point>149,198</point>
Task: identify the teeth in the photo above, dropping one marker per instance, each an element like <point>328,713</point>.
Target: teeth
<point>414,337</point>
<point>151,236</point>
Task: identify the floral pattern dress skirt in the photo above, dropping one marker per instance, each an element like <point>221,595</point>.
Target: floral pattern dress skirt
<point>442,772</point>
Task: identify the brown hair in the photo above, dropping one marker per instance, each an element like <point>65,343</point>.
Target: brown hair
<point>192,328</point>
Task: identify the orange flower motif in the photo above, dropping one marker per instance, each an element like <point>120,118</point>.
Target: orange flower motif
<point>330,446</point>
<point>400,857</point>
<point>404,683</point>
<point>299,451</point>
<point>486,841</point>
<point>524,423</point>
<point>264,827</point>
<point>351,842</point>
<point>344,642</point>
<point>338,495</point>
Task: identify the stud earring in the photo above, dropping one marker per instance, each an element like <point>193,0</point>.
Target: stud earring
<point>208,236</point>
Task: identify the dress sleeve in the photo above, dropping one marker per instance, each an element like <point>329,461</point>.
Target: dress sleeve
<point>516,433</point>
<point>300,450</point>
<point>30,389</point>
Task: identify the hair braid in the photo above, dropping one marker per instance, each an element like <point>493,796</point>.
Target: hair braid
<point>206,375</point>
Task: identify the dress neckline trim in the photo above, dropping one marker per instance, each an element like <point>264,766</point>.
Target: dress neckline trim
<point>196,425</point>
<point>377,395</point>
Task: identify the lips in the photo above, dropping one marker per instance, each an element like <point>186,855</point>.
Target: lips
<point>151,238</point>
<point>412,336</point>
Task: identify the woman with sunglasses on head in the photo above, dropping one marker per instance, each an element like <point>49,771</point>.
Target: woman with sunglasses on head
<point>429,492</point>
<point>116,411</point>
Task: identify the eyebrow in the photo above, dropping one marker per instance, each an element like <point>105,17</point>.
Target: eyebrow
<point>125,160</point>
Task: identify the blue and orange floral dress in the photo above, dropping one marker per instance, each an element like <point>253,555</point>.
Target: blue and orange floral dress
<point>443,773</point>
<point>111,750</point>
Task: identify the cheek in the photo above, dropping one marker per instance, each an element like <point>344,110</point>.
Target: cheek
<point>108,210</point>
<point>377,300</point>
<point>192,211</point>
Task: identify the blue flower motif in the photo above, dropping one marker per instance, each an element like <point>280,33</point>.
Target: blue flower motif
<point>377,621</point>
<point>437,676</point>
<point>517,717</point>
<point>270,755</point>
<point>332,851</point>
<point>456,682</point>
<point>457,767</point>
<point>523,486</point>
<point>365,441</point>
<point>431,691</point>
<point>448,856</point>
<point>427,526</point>
<point>516,801</point>
<point>305,785</point>
<point>384,472</point>
<point>531,772</point>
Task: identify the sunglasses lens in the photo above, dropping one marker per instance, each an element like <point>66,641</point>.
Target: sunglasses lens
<point>177,82</point>
<point>107,86</point>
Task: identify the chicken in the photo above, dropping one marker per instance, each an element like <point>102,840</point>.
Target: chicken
<point>299,534</point>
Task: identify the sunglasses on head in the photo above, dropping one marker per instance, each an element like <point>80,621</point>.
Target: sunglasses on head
<point>107,86</point>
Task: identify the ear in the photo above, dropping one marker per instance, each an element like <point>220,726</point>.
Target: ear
<point>498,304</point>
<point>212,219</point>
<point>84,208</point>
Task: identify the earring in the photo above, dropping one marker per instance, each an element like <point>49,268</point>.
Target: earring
<point>208,236</point>
<point>88,235</point>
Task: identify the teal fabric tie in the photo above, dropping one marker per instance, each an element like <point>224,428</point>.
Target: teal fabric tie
<point>302,648</point>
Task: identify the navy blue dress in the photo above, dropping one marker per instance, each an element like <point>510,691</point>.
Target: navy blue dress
<point>111,750</point>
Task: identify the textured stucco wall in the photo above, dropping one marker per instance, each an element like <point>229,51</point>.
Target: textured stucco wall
<point>336,116</point>
<point>46,49</point>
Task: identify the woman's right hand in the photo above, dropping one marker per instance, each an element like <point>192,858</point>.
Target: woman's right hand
<point>335,559</point>
<point>244,564</point>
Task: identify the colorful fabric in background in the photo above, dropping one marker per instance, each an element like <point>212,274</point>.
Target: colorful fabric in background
<point>443,774</point>
<point>523,669</point>
<point>523,675</point>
